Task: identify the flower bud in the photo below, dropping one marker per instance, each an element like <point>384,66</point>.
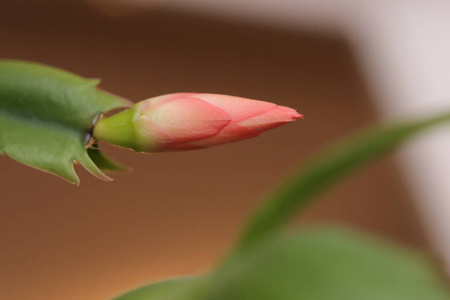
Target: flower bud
<point>187,121</point>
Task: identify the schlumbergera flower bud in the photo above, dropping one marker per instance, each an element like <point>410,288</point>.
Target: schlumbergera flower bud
<point>187,121</point>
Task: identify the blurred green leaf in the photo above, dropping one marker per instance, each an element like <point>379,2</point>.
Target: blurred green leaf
<point>46,115</point>
<point>315,264</point>
<point>324,264</point>
<point>329,167</point>
<point>161,290</point>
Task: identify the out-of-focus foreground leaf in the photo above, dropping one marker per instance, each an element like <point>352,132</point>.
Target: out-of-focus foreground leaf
<point>325,264</point>
<point>161,290</point>
<point>334,164</point>
<point>316,264</point>
<point>46,115</point>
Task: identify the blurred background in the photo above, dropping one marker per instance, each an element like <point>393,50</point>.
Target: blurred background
<point>179,213</point>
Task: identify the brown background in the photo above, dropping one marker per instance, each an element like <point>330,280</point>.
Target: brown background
<point>178,213</point>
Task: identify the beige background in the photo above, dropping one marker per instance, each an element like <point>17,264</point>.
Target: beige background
<point>178,213</point>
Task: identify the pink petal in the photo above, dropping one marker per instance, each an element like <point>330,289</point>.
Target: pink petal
<point>232,133</point>
<point>155,102</point>
<point>152,136</point>
<point>238,108</point>
<point>188,119</point>
<point>275,117</point>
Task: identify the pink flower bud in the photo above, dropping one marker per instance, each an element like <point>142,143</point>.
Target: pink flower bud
<point>186,121</point>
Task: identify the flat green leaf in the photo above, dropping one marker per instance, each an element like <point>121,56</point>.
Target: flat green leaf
<point>324,264</point>
<point>332,165</point>
<point>46,115</point>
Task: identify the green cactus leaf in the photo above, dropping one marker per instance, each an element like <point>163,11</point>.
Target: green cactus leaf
<point>103,161</point>
<point>46,116</point>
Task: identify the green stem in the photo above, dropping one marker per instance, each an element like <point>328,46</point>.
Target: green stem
<point>118,129</point>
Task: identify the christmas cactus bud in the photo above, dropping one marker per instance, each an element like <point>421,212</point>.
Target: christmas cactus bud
<point>187,121</point>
